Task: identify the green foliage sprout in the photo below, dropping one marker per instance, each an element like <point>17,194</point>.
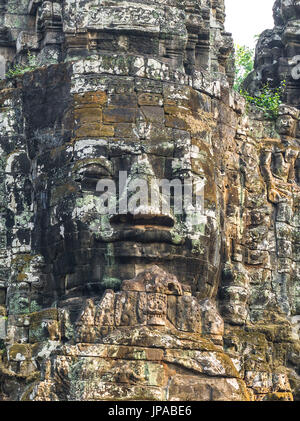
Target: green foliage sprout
<point>20,69</point>
<point>244,64</point>
<point>269,99</point>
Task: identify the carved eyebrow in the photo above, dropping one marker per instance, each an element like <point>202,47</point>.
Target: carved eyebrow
<point>101,162</point>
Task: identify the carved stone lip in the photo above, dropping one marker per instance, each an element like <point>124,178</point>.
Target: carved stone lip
<point>141,229</point>
<point>142,219</point>
<point>147,253</point>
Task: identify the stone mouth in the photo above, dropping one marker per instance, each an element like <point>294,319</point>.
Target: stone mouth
<point>144,220</point>
<point>142,250</point>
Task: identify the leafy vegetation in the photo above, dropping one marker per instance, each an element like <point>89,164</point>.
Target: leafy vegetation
<point>20,69</point>
<point>244,64</point>
<point>269,99</point>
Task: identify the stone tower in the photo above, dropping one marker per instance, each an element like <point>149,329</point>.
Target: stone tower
<point>150,304</point>
<point>277,53</point>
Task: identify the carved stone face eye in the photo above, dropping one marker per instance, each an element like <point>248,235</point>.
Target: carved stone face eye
<point>89,175</point>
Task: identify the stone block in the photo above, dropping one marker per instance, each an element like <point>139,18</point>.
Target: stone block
<point>150,99</point>
<point>119,115</point>
<point>176,122</point>
<point>90,99</point>
<point>189,387</point>
<point>125,130</point>
<point>123,100</point>
<point>153,114</point>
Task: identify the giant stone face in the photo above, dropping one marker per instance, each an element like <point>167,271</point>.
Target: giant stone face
<point>121,131</point>
<point>127,108</point>
<point>126,95</point>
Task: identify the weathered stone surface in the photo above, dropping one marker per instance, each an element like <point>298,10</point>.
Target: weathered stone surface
<point>134,362</point>
<point>277,53</point>
<point>145,305</point>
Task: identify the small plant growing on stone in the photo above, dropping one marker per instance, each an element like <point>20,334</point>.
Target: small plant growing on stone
<point>268,100</point>
<point>20,69</point>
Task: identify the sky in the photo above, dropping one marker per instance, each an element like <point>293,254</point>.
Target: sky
<point>247,18</point>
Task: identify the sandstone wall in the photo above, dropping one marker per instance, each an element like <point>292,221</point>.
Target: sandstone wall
<point>209,313</point>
